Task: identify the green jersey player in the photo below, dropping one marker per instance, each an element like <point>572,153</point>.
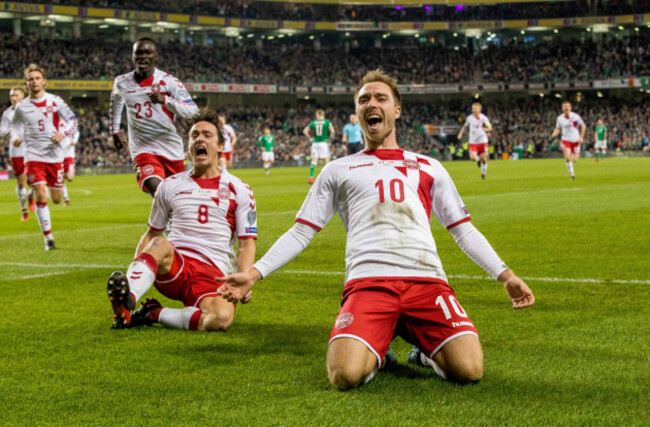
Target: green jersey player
<point>600,140</point>
<point>266,143</point>
<point>322,130</point>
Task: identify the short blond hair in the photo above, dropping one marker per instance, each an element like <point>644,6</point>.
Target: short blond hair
<point>21,89</point>
<point>320,112</point>
<point>381,77</point>
<point>34,67</point>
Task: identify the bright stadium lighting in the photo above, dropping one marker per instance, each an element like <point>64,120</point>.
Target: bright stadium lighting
<point>620,27</point>
<point>600,94</point>
<point>103,26</point>
<point>270,38</point>
<point>416,35</point>
<point>347,34</point>
<point>281,36</point>
<point>588,29</point>
<point>476,96</point>
<point>489,33</point>
<point>636,29</point>
<point>523,32</point>
<point>250,35</point>
<point>541,95</point>
<point>455,34</point>
<point>311,37</point>
<point>557,95</point>
<point>556,31</point>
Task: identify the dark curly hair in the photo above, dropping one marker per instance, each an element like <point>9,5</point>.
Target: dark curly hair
<point>210,116</point>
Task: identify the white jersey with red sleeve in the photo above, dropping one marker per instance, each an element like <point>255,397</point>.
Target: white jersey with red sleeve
<point>207,216</point>
<point>36,121</point>
<point>5,129</point>
<point>477,127</point>
<point>228,134</point>
<point>570,126</point>
<point>385,199</point>
<point>151,126</point>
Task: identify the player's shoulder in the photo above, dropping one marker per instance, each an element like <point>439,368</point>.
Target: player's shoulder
<point>22,104</point>
<point>122,78</point>
<point>237,183</point>
<point>176,180</point>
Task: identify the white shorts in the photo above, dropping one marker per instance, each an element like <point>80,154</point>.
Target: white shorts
<point>600,145</point>
<point>320,150</point>
<point>268,156</point>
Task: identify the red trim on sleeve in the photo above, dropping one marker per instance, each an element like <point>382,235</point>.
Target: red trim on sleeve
<point>315,227</point>
<point>155,229</point>
<point>247,237</point>
<point>468,218</point>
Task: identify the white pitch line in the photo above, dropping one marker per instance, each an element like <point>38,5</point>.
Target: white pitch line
<point>33,276</point>
<point>339,273</point>
<point>80,230</point>
<point>523,193</point>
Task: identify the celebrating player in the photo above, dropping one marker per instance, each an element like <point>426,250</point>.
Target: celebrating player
<point>479,126</point>
<point>266,143</point>
<point>600,140</point>
<point>209,208</point>
<point>152,98</point>
<point>353,136</point>
<point>320,147</point>
<point>395,283</point>
<point>69,145</point>
<point>230,140</point>
<point>568,123</point>
<point>17,154</point>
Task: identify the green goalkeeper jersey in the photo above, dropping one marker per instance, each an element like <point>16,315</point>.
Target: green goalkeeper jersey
<point>266,143</point>
<point>600,132</point>
<point>321,129</point>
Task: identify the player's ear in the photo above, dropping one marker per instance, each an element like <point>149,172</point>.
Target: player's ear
<point>398,111</point>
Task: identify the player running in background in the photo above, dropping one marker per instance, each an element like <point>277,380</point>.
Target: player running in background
<point>568,124</point>
<point>69,145</point>
<point>152,98</point>
<point>266,143</point>
<point>479,126</point>
<point>395,283</point>
<point>41,122</point>
<point>17,154</point>
<point>353,136</point>
<point>320,148</point>
<point>600,141</point>
<point>230,140</point>
<point>211,209</point>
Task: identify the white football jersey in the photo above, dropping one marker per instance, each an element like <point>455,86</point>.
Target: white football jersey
<point>206,216</point>
<point>477,126</point>
<point>151,126</point>
<point>5,129</point>
<point>36,121</point>
<point>570,126</point>
<point>228,134</point>
<point>68,147</point>
<point>385,199</point>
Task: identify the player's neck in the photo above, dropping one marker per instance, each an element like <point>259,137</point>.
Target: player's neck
<point>37,95</point>
<point>207,172</point>
<point>388,142</point>
<point>140,77</point>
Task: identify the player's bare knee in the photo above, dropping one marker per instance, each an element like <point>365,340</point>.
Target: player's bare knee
<point>216,321</point>
<point>345,376</point>
<point>467,370</point>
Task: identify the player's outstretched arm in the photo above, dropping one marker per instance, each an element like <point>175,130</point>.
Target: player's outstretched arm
<point>237,287</point>
<point>146,238</point>
<point>305,132</point>
<point>517,290</point>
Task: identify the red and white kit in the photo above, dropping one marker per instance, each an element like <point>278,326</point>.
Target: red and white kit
<point>478,139</point>
<point>36,121</point>
<point>208,216</point>
<point>69,152</point>
<point>228,134</point>
<point>570,127</point>
<point>154,143</point>
<point>17,154</point>
<point>395,282</point>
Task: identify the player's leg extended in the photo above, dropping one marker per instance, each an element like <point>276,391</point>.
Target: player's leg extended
<point>69,176</point>
<point>43,215</point>
<point>222,163</point>
<point>567,161</point>
<point>350,363</point>
<point>216,314</point>
<point>312,168</point>
<point>484,164</point>
<point>21,193</point>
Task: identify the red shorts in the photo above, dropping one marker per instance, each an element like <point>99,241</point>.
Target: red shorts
<point>189,280</point>
<point>479,148</point>
<point>424,312</point>
<point>18,165</point>
<point>227,156</point>
<point>68,165</point>
<point>573,147</point>
<point>45,173</point>
<point>150,165</point>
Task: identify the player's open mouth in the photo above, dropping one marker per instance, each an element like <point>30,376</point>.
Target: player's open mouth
<point>201,153</point>
<point>374,121</point>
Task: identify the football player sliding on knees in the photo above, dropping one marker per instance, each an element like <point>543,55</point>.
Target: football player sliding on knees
<point>211,209</point>
<point>395,283</point>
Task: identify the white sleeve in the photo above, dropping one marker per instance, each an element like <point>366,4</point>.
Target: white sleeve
<point>17,126</point>
<point>286,248</point>
<point>5,129</point>
<point>446,204</point>
<point>580,121</point>
<point>557,123</point>
<point>115,110</point>
<point>320,204</point>
<point>487,124</point>
<point>68,116</point>
<point>179,100</point>
<point>160,209</point>
<point>246,213</point>
<point>478,249</point>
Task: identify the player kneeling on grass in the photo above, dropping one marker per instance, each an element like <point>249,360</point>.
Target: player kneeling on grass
<point>209,208</point>
<point>395,283</point>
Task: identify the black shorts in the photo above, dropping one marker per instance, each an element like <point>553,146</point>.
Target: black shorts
<point>355,148</point>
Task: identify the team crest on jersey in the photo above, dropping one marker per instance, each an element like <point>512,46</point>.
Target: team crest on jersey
<point>252,217</point>
<point>223,193</point>
<point>147,169</point>
<point>411,164</point>
<point>155,88</point>
<point>49,109</point>
<point>344,320</point>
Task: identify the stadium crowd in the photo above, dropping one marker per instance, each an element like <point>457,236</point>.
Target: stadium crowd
<point>292,61</point>
<point>523,126</point>
<point>249,9</point>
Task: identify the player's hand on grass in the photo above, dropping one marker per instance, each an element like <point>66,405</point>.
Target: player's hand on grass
<point>517,290</point>
<point>17,142</point>
<point>156,98</point>
<point>118,141</point>
<point>57,137</point>
<point>237,287</point>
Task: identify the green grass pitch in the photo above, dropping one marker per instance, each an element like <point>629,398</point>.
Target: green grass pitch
<point>580,355</point>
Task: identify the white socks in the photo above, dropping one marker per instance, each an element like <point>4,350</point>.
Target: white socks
<point>140,276</point>
<point>569,167</point>
<point>65,193</point>
<point>182,318</point>
<point>21,193</point>
<point>484,168</point>
<point>43,216</point>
